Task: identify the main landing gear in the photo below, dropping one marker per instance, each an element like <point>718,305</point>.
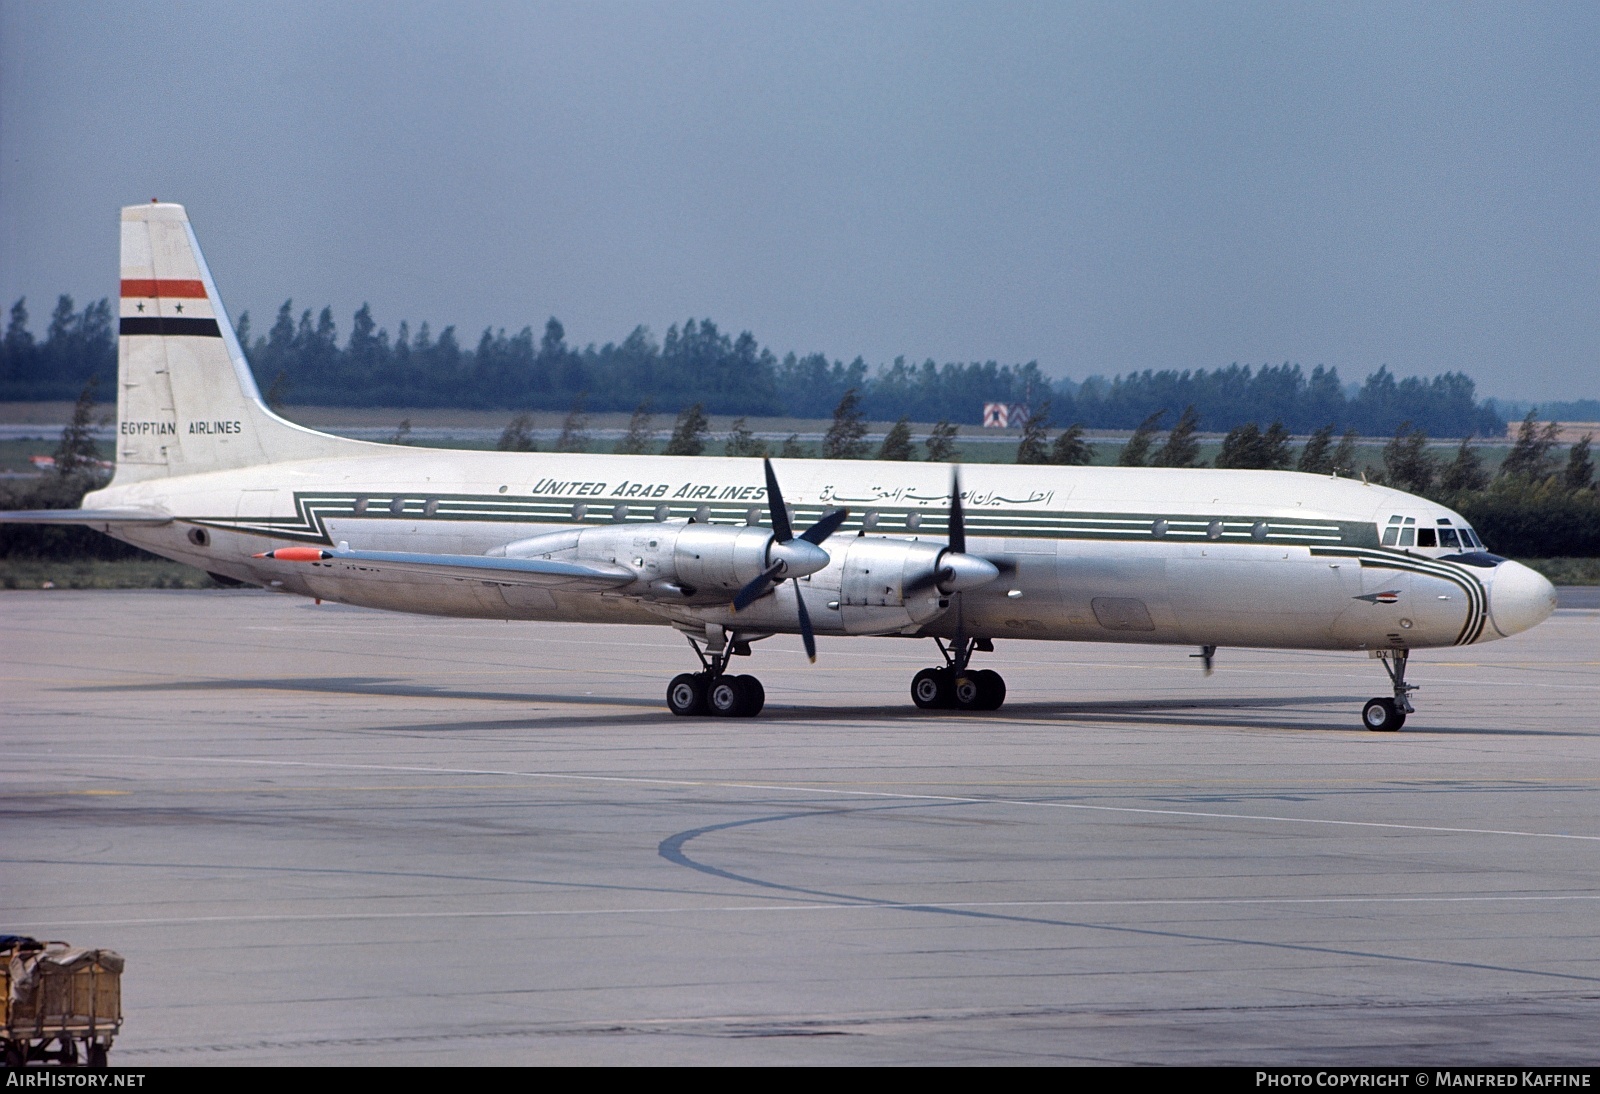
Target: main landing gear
<point>1388,715</point>
<point>955,686</point>
<point>713,690</point>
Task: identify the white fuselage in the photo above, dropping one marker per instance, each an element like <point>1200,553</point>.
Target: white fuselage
<point>1195,557</point>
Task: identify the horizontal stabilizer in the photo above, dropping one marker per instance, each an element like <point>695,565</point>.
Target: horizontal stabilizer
<point>84,516</point>
<point>508,571</point>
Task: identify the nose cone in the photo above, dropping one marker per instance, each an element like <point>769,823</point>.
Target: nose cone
<point>1519,598</point>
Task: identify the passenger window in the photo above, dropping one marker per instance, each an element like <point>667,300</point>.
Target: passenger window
<point>1425,538</point>
<point>1447,537</point>
<point>1407,536</point>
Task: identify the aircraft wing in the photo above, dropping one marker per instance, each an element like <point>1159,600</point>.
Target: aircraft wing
<point>84,516</point>
<point>506,571</point>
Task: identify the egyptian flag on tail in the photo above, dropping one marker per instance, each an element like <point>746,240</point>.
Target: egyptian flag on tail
<point>171,306</point>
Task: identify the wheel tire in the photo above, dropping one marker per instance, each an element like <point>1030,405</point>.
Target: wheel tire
<point>725,696</point>
<point>755,696</point>
<point>931,689</point>
<point>686,695</point>
<point>98,1056</point>
<point>1382,716</point>
<point>967,691</point>
<point>991,689</point>
<point>16,1054</point>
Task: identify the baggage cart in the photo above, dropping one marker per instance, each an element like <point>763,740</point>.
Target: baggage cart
<point>58,1003</point>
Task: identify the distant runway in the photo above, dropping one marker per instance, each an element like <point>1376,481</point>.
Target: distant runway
<point>326,835</point>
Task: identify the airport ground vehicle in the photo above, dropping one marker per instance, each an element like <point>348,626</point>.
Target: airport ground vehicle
<point>58,1003</point>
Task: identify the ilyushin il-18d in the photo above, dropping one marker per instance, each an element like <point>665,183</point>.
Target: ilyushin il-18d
<point>730,551</point>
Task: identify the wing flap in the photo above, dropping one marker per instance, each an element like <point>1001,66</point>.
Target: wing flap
<point>506,571</point>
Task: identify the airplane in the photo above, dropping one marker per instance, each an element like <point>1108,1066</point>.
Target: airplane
<point>207,475</point>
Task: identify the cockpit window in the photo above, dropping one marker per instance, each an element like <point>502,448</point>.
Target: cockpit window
<point>1402,531</point>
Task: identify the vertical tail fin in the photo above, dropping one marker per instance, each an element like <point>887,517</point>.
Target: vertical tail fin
<point>186,401</point>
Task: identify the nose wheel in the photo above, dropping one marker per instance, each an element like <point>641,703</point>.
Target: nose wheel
<point>1387,715</point>
<point>1382,716</point>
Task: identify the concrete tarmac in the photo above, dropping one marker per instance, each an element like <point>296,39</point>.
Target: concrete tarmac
<point>332,836</point>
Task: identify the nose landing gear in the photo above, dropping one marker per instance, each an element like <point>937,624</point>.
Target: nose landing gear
<point>955,686</point>
<point>1387,715</point>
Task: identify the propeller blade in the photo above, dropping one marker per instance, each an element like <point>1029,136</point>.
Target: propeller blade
<point>958,544</point>
<point>775,506</point>
<point>825,527</point>
<point>958,522</point>
<point>807,635</point>
<point>756,588</point>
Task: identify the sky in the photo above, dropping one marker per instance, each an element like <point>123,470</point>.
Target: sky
<point>1097,187</point>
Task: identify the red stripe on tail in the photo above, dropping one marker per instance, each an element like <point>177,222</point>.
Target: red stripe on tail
<point>166,289</point>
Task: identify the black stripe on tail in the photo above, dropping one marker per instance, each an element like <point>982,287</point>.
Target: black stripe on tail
<point>160,324</point>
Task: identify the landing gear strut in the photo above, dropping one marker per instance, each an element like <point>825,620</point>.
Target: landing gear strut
<point>712,690</point>
<point>955,686</point>
<point>1388,715</point>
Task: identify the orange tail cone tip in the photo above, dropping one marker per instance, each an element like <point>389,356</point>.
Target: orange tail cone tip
<point>296,554</point>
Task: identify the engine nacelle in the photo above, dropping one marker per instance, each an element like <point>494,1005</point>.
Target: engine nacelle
<point>872,575</point>
<point>711,558</point>
<point>690,562</point>
<point>871,584</point>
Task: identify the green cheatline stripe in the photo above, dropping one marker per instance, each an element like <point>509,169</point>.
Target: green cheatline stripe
<point>314,509</point>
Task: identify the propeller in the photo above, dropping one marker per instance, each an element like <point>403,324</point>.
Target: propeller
<point>955,570</point>
<point>790,556</point>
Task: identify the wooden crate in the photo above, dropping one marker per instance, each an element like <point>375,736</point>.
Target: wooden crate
<point>60,990</point>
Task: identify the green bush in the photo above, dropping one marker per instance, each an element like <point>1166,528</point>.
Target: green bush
<point>1525,520</point>
<point>55,541</point>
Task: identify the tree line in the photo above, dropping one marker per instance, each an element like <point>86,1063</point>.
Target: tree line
<point>301,358</point>
<point>1538,503</point>
<point>1535,504</point>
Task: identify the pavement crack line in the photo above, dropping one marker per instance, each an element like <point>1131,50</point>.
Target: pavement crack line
<point>672,849</point>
